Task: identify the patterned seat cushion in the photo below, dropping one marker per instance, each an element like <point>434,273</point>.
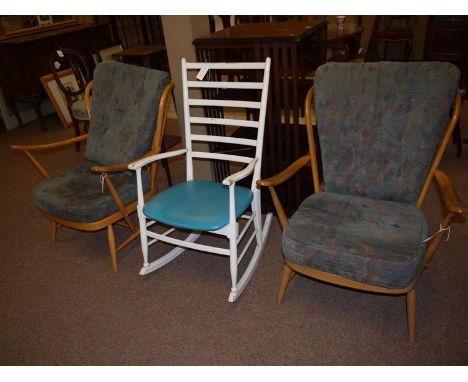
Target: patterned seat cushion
<point>367,240</point>
<point>77,194</point>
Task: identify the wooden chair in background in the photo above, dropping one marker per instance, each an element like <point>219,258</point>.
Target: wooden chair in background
<point>65,58</point>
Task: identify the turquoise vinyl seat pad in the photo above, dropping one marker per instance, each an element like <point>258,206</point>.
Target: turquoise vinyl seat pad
<point>376,242</point>
<point>197,205</point>
<point>77,194</point>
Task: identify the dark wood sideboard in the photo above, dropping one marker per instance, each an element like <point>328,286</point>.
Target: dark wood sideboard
<point>296,48</point>
<point>24,59</point>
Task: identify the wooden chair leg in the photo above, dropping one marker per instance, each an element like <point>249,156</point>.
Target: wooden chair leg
<point>411,314</point>
<point>54,231</point>
<point>288,275</point>
<point>113,252</point>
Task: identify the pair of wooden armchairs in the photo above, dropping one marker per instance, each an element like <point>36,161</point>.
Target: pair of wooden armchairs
<point>382,130</point>
<point>128,109</point>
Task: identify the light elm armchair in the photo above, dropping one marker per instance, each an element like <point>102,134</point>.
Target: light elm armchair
<point>128,115</point>
<point>382,129</point>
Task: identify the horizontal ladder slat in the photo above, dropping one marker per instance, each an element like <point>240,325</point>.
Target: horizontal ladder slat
<point>187,244</point>
<point>226,103</point>
<point>218,156</point>
<point>225,85</point>
<point>224,121</point>
<point>226,65</point>
<point>222,139</point>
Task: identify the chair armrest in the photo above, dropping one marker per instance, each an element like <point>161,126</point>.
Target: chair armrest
<point>88,89</point>
<point>126,165</point>
<point>146,160</point>
<point>112,168</point>
<point>240,174</point>
<point>33,159</point>
<point>449,195</point>
<point>284,175</point>
<point>51,145</point>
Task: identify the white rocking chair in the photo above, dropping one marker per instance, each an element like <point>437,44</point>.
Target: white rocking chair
<point>208,206</point>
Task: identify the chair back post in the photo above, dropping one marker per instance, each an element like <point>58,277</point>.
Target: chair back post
<point>160,126</point>
<point>261,127</point>
<point>453,120</point>
<point>88,90</point>
<point>310,137</point>
<point>188,138</point>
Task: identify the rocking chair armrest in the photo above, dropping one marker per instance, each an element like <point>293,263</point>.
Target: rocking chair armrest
<point>151,158</point>
<point>284,175</point>
<point>449,194</point>
<point>123,166</point>
<point>240,174</point>
<point>50,145</point>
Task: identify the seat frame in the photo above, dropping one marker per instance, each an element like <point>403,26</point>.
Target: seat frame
<point>231,230</point>
<point>451,200</point>
<point>122,215</point>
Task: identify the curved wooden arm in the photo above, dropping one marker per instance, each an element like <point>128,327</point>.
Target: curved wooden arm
<point>284,175</point>
<point>88,97</point>
<point>33,159</point>
<point>449,195</point>
<point>50,145</point>
<point>111,168</point>
<point>441,148</point>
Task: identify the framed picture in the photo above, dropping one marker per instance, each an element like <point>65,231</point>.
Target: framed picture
<point>109,53</point>
<point>44,20</point>
<point>57,97</point>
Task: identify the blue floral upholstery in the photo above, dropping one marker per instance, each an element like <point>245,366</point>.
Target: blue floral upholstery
<point>378,125</point>
<point>77,194</point>
<point>377,242</point>
<point>123,121</point>
<point>124,111</point>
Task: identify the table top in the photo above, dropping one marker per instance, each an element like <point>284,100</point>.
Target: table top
<point>281,30</point>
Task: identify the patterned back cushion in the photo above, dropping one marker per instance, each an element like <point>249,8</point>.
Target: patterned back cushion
<point>379,125</point>
<point>124,111</point>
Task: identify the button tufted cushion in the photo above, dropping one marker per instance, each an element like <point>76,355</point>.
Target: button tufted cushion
<point>379,124</point>
<point>77,194</point>
<point>367,240</point>
<point>124,111</point>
